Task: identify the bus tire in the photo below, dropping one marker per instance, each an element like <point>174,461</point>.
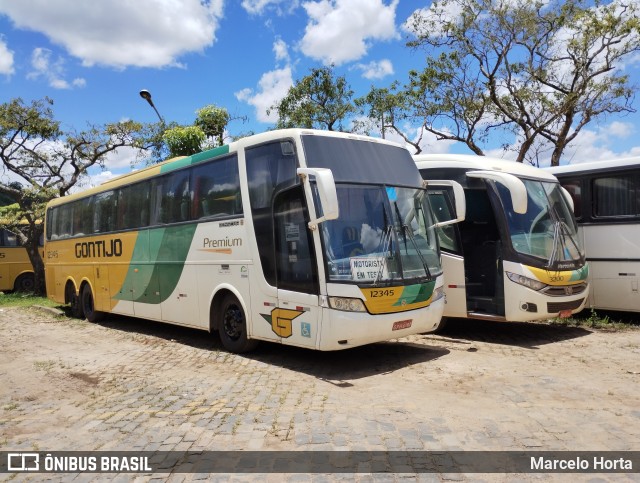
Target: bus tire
<point>73,299</point>
<point>232,327</point>
<point>88,306</point>
<point>24,283</point>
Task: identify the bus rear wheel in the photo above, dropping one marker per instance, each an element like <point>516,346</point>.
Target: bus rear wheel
<point>88,306</point>
<point>24,283</point>
<point>74,300</point>
<point>233,327</point>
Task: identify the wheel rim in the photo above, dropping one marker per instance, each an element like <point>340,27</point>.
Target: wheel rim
<point>233,322</point>
<point>27,284</point>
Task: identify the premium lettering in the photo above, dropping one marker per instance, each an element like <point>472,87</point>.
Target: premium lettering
<point>221,242</point>
<point>99,249</point>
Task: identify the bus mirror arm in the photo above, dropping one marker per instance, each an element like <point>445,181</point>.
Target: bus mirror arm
<point>459,200</point>
<point>516,187</point>
<point>326,191</point>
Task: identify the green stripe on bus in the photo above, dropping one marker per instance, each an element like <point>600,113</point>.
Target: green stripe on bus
<point>194,159</point>
<point>157,263</point>
<point>413,294</point>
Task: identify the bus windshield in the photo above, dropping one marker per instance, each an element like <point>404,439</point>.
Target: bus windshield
<point>384,235</point>
<point>547,230</point>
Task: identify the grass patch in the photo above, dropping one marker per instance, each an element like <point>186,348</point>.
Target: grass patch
<point>595,320</point>
<point>21,299</point>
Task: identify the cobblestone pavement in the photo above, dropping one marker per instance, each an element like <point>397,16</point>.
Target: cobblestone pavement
<point>133,385</point>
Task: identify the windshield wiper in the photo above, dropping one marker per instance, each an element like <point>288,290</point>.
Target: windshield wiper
<point>385,243</point>
<point>407,230</point>
<point>560,234</point>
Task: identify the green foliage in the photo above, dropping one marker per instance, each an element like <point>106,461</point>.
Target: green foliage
<point>213,120</point>
<point>594,320</point>
<point>319,100</point>
<point>540,70</point>
<point>20,299</point>
<point>184,140</point>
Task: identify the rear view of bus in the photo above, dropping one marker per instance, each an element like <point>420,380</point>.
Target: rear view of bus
<point>517,255</point>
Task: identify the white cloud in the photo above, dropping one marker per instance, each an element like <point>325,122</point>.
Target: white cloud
<point>259,7</point>
<point>52,70</point>
<point>600,143</point>
<point>121,33</point>
<point>596,144</point>
<point>272,87</point>
<point>340,31</point>
<point>281,50</point>
<point>376,69</point>
<point>6,59</point>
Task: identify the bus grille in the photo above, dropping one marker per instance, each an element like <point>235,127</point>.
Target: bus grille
<point>564,290</point>
<point>553,307</point>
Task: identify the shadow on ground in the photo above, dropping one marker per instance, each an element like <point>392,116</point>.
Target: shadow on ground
<point>334,366</point>
<point>528,335</point>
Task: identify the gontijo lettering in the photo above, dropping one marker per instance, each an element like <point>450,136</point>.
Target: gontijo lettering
<point>99,248</point>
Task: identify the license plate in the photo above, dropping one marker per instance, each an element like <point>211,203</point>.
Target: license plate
<point>564,314</point>
<point>402,324</point>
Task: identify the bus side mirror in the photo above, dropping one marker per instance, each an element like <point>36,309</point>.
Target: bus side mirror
<point>567,196</point>
<point>326,191</point>
<point>516,187</point>
<point>459,200</point>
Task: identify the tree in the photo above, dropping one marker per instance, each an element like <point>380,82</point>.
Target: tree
<point>184,140</point>
<point>319,100</point>
<point>46,162</point>
<point>213,120</point>
<point>385,109</point>
<point>206,132</point>
<point>540,70</point>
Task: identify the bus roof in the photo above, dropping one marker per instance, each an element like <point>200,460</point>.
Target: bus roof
<point>471,161</point>
<point>182,161</point>
<point>594,166</point>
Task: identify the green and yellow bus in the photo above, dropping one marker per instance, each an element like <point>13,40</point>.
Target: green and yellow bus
<point>315,239</point>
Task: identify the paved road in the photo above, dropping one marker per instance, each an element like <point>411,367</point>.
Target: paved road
<point>133,385</point>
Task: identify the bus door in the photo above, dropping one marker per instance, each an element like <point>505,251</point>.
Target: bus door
<point>441,198</point>
<point>298,314</point>
<point>482,241</point>
<point>284,297</point>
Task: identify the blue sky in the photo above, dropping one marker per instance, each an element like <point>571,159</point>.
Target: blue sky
<point>93,57</point>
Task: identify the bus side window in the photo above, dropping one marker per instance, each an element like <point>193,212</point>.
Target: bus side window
<point>173,199</point>
<point>104,217</point>
<point>216,188</point>
<point>614,196</point>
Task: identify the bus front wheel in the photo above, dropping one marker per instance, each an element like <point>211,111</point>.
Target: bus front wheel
<point>233,327</point>
<point>88,306</point>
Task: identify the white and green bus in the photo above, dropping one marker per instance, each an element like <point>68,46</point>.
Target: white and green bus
<point>315,239</point>
<point>517,255</point>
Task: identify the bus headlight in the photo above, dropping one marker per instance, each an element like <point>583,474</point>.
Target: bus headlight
<point>526,281</point>
<point>347,304</point>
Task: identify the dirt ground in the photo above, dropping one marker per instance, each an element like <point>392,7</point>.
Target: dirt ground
<point>127,384</point>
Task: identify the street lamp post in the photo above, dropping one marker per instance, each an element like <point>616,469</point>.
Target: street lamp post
<point>146,95</point>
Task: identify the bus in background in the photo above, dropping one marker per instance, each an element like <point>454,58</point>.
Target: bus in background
<point>309,238</point>
<point>606,196</point>
<point>517,255</point>
<point>16,271</point>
